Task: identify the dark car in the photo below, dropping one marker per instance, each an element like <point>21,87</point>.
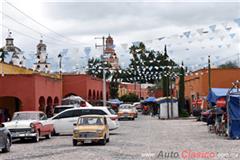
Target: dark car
<point>5,139</point>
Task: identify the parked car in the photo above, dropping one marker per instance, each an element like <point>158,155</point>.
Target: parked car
<point>5,138</point>
<point>138,106</point>
<point>60,108</point>
<point>91,128</point>
<point>30,124</point>
<point>126,111</point>
<point>63,122</point>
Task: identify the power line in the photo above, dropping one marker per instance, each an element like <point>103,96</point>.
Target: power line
<point>55,39</point>
<point>216,61</point>
<point>60,35</point>
<point>26,35</point>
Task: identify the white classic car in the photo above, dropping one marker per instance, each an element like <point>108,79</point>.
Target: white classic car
<point>127,111</point>
<point>30,124</point>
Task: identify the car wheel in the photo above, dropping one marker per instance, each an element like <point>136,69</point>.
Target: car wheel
<point>75,142</point>
<point>133,119</point>
<point>49,136</point>
<point>7,146</point>
<point>103,141</point>
<point>108,139</point>
<point>37,137</point>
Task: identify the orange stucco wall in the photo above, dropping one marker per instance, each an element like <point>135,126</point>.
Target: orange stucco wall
<point>197,83</point>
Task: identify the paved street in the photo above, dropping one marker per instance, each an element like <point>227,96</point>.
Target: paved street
<point>143,138</point>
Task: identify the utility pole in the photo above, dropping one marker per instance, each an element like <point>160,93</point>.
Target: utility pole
<point>238,60</point>
<point>104,73</point>
<point>60,64</point>
<point>209,74</point>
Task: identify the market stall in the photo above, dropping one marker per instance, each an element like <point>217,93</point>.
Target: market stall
<point>168,107</point>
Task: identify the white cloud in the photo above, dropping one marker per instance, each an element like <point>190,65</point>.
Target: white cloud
<point>126,22</point>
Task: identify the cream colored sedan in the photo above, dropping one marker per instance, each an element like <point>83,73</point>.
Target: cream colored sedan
<point>91,128</point>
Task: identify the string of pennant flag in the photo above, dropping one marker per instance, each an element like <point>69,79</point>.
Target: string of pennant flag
<point>209,33</point>
<point>223,35</point>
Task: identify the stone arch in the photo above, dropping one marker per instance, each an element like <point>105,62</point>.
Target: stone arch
<point>49,101</point>
<point>55,101</point>
<point>97,95</point>
<point>94,94</point>
<point>89,94</point>
<point>49,107</point>
<point>9,105</point>
<point>42,103</point>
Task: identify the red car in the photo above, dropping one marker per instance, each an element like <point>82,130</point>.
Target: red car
<point>30,124</point>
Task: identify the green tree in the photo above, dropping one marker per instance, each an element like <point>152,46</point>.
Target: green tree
<point>130,97</point>
<point>181,97</point>
<point>114,85</point>
<point>229,64</point>
<point>95,68</point>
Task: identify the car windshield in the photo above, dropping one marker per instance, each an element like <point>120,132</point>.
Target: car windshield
<point>125,107</point>
<point>91,121</point>
<point>26,116</point>
<point>111,111</point>
<point>60,109</point>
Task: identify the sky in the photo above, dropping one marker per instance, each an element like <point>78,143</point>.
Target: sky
<point>74,24</point>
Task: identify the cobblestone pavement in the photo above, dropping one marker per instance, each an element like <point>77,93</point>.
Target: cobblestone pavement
<point>145,138</point>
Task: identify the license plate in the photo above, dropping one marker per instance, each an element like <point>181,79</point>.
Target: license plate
<point>87,141</point>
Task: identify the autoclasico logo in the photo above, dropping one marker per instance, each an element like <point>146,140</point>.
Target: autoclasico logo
<point>185,154</point>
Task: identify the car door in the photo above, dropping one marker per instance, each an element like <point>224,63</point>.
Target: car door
<point>46,125</point>
<point>63,123</point>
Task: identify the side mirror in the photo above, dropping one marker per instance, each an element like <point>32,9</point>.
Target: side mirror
<point>2,125</point>
<point>74,124</point>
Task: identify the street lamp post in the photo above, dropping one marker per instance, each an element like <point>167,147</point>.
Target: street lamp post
<point>209,74</point>
<point>104,72</point>
<point>60,64</point>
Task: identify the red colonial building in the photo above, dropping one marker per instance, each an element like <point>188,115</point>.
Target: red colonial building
<point>85,86</point>
<point>24,92</point>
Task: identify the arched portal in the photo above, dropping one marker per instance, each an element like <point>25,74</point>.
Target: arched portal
<point>56,101</point>
<point>49,108</point>
<point>94,95</point>
<point>9,105</point>
<point>97,95</point>
<point>89,94</point>
<point>42,104</point>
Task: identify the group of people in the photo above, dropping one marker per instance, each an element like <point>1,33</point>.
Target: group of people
<point>217,120</point>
